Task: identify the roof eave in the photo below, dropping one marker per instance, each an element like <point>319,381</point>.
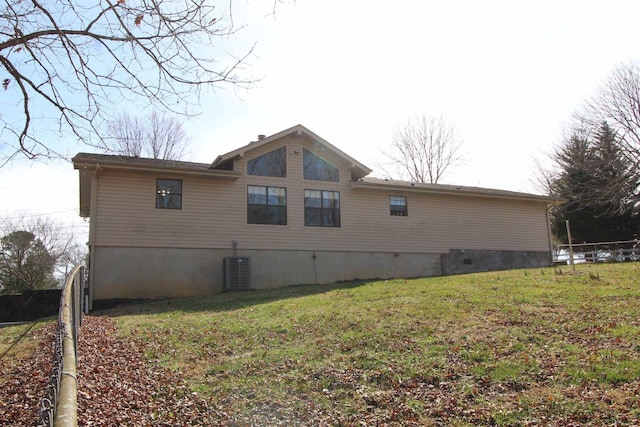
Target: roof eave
<point>216,162</point>
<point>460,192</point>
<point>239,152</point>
<point>359,171</point>
<point>102,165</point>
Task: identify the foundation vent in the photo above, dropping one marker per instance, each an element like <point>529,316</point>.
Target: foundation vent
<point>237,273</point>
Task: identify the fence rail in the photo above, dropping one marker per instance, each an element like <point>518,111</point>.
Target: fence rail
<point>619,251</point>
<point>59,406</point>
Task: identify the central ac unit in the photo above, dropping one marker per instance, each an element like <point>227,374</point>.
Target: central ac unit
<point>237,273</point>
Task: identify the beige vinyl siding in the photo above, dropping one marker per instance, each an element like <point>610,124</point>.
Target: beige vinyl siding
<point>127,215</point>
<point>437,223</point>
<point>214,214</point>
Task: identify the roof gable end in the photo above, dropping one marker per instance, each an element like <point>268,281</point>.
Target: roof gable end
<point>358,170</point>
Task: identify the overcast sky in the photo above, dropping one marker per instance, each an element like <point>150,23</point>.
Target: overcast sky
<point>507,74</point>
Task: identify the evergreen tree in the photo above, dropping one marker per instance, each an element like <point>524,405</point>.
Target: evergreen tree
<point>616,173</point>
<point>25,263</point>
<point>598,184</point>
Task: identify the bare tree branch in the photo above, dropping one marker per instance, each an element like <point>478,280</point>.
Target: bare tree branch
<point>157,136</point>
<point>424,148</point>
<point>71,63</point>
<point>617,102</point>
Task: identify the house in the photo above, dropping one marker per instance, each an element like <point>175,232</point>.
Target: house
<point>295,210</point>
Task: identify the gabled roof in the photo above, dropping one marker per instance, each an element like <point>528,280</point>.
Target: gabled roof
<point>380,184</point>
<point>358,170</point>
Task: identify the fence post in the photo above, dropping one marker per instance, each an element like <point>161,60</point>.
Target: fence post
<point>573,266</point>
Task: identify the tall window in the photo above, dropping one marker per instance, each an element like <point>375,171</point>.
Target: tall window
<point>274,163</point>
<point>322,208</point>
<point>266,205</point>
<point>168,193</point>
<point>398,205</point>
<point>317,169</point>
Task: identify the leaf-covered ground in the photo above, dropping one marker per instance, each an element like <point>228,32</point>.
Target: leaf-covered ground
<point>117,387</point>
<point>25,366</point>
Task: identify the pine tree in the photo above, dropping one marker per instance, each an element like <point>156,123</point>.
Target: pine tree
<point>599,184</point>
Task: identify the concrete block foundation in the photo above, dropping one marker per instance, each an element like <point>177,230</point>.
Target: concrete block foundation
<point>172,272</point>
<point>461,261</point>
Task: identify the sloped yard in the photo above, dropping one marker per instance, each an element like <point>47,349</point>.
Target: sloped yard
<point>526,347</point>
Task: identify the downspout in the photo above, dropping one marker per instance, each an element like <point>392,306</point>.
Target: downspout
<point>92,233</point>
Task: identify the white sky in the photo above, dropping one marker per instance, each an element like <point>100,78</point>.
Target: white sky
<point>508,74</point>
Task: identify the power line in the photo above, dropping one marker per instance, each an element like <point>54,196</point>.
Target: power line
<point>38,214</point>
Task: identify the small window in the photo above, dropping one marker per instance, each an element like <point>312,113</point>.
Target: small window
<point>266,205</point>
<point>322,208</point>
<point>168,193</point>
<point>317,169</point>
<point>398,205</point>
<point>273,163</point>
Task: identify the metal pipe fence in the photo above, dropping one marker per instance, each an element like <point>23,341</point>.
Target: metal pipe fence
<point>59,406</point>
<point>619,251</point>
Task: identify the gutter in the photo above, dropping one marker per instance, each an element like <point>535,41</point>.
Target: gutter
<point>456,192</point>
<point>226,174</point>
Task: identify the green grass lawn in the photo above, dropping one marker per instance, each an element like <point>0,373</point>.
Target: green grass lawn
<point>20,340</point>
<point>537,347</point>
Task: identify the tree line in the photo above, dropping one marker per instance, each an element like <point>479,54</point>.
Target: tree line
<point>35,253</point>
<point>595,167</point>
